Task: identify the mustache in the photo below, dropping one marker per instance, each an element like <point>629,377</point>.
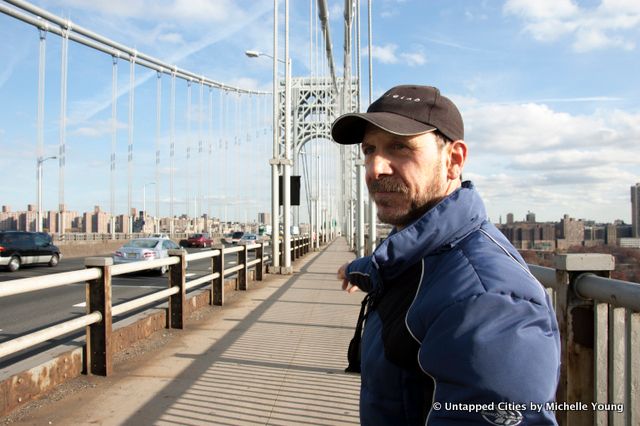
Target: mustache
<point>387,185</point>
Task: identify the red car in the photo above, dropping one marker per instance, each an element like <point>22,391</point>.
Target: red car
<point>199,240</point>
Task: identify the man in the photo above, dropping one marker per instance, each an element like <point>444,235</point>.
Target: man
<point>458,331</point>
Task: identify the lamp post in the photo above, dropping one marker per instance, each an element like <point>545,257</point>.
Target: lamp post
<point>40,160</point>
<point>277,160</point>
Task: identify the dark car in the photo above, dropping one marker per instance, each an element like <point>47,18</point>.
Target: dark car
<point>19,248</point>
<point>197,240</point>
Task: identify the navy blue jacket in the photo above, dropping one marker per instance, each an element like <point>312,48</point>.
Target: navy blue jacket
<point>479,325</point>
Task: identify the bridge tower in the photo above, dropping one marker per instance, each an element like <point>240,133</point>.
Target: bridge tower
<point>315,105</point>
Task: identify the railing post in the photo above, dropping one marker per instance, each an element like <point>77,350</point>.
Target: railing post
<point>260,265</point>
<point>217,265</point>
<point>242,273</point>
<point>99,356</point>
<point>177,273</point>
<point>576,323</point>
<point>281,251</point>
<point>294,248</point>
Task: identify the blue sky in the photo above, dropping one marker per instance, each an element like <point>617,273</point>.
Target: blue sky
<point>549,91</point>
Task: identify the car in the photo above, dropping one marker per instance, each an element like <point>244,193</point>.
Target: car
<point>160,235</point>
<point>236,236</point>
<point>145,249</point>
<point>19,248</point>
<point>248,239</point>
<point>202,239</point>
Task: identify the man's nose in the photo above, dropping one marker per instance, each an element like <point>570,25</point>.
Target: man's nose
<point>378,165</point>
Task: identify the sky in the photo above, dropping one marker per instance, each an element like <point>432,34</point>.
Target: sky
<point>549,91</point>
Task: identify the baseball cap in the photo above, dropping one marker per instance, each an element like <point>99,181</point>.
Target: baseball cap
<point>406,110</point>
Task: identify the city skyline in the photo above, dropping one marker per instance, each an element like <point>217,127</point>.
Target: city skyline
<point>547,91</point>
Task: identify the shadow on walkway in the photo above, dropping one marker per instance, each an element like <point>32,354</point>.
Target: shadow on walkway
<point>277,357</point>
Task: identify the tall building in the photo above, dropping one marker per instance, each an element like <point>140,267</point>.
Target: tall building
<point>264,218</point>
<point>531,217</point>
<point>509,218</point>
<point>635,210</point>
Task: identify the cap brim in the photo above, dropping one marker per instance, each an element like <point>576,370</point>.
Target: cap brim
<point>349,128</point>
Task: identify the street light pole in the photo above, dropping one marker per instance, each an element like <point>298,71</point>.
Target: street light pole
<point>40,160</point>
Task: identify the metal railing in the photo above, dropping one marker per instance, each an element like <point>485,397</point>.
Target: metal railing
<point>599,322</point>
<point>100,311</point>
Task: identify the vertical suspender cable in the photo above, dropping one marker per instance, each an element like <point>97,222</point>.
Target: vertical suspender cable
<point>372,206</point>
<point>225,148</point>
<point>237,139</point>
<point>221,181</point>
<point>172,146</point>
<point>114,138</point>
<point>200,148</point>
<point>188,152</point>
<point>42,59</point>
<point>210,150</point>
<point>63,125</point>
<point>360,160</point>
<point>132,83</point>
<point>158,131</point>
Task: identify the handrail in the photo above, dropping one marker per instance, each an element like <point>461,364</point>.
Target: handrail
<point>24,285</point>
<point>546,276</point>
<point>143,265</point>
<point>617,293</point>
<point>125,307</point>
<point>204,279</point>
<point>23,342</point>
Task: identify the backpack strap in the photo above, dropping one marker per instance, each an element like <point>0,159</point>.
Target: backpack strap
<point>353,353</point>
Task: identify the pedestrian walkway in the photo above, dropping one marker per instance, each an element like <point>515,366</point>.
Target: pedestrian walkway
<point>276,357</point>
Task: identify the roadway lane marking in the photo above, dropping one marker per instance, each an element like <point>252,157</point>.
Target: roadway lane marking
<point>190,274</point>
<point>80,305</point>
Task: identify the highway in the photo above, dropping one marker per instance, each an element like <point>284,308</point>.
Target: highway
<point>25,313</point>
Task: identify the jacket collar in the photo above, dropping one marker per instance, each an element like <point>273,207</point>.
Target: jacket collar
<point>438,229</point>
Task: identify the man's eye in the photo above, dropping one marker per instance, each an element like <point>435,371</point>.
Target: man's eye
<point>399,146</point>
<point>367,150</point>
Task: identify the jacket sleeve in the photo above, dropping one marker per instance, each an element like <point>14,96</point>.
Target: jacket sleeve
<point>492,349</point>
<point>363,273</point>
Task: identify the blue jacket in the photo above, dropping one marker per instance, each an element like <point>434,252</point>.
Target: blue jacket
<point>454,295</point>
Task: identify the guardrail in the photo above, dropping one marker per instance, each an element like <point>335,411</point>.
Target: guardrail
<point>599,322</point>
<point>100,311</point>
<point>82,236</point>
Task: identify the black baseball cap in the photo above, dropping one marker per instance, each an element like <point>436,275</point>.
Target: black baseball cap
<point>407,110</point>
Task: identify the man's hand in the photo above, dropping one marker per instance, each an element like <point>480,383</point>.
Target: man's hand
<point>342,275</point>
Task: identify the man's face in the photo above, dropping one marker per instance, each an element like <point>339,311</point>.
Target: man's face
<point>406,176</point>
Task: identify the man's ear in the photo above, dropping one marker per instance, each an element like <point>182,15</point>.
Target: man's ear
<point>457,157</point>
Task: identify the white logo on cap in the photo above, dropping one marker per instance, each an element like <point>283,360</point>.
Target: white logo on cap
<point>404,98</point>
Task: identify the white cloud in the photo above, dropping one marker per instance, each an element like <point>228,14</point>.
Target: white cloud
<point>414,59</point>
<point>385,54</point>
<point>531,157</point>
<point>388,54</point>
<point>534,127</point>
<point>605,26</point>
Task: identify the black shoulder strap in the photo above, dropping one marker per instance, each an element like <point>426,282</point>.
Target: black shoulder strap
<point>353,353</point>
